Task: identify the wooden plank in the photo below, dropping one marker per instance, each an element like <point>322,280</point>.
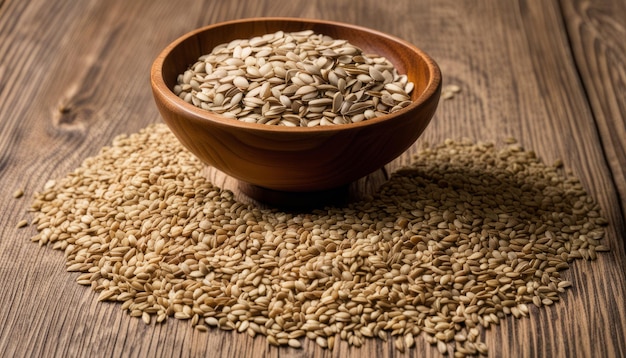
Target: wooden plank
<point>74,77</point>
<point>597,30</point>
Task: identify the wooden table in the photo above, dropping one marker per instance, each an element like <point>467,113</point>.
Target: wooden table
<point>74,74</point>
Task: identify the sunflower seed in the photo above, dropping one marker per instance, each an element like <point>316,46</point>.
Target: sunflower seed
<point>285,66</point>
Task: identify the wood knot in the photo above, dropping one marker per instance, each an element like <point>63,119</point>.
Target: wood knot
<point>64,109</point>
<point>68,117</point>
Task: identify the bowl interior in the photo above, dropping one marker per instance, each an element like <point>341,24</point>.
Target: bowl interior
<point>407,59</point>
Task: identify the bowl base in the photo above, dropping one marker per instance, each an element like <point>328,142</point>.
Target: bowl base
<point>296,200</point>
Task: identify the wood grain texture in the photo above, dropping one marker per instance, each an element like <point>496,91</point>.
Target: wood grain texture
<point>597,30</point>
<point>73,74</point>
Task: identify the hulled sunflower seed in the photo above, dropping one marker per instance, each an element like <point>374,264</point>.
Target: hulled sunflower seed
<point>313,68</point>
<point>423,254</point>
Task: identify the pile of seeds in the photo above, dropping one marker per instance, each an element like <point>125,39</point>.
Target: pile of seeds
<point>294,79</point>
<point>464,237</point>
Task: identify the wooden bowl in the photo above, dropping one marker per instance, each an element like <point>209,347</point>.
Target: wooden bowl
<point>295,159</point>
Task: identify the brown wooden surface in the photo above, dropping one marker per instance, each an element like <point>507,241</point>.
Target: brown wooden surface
<point>73,74</point>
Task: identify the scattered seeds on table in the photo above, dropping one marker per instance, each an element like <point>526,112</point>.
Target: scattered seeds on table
<point>18,193</point>
<point>425,254</point>
<point>294,79</point>
<point>448,91</point>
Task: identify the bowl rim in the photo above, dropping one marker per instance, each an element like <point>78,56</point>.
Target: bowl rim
<point>158,83</point>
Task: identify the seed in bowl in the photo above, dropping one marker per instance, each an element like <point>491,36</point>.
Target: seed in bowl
<point>294,79</point>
